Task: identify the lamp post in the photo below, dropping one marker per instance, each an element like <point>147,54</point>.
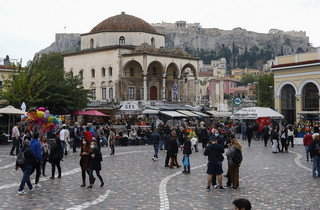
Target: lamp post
<point>272,96</point>
<point>258,92</point>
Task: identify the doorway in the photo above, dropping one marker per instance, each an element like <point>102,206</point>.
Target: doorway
<point>153,93</point>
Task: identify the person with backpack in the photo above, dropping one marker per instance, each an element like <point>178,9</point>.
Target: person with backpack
<point>234,157</point>
<point>45,152</point>
<point>28,160</point>
<point>75,134</point>
<point>35,146</point>
<point>95,159</point>
<point>56,155</point>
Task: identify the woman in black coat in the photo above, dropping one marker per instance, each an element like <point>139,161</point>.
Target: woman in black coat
<point>95,159</point>
<point>56,154</point>
<point>173,149</point>
<point>186,154</point>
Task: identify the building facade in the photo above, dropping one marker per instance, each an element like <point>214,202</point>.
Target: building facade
<point>123,59</point>
<point>297,86</point>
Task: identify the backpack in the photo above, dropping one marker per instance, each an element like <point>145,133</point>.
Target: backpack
<point>21,161</point>
<point>237,156</point>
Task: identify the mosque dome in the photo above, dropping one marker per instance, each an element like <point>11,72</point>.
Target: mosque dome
<point>124,23</point>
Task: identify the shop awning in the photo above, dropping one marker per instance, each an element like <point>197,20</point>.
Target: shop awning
<point>172,114</point>
<point>220,114</point>
<point>188,113</point>
<point>150,111</point>
<point>201,114</point>
<point>252,113</point>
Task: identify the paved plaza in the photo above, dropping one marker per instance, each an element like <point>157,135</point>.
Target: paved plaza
<point>134,181</point>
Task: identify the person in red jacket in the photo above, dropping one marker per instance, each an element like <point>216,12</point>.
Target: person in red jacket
<point>88,134</point>
<point>307,139</point>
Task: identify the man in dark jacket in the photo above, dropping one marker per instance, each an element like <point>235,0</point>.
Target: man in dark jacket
<point>214,152</point>
<point>265,134</point>
<point>186,153</point>
<point>249,133</point>
<point>30,160</point>
<point>315,154</point>
<point>155,139</point>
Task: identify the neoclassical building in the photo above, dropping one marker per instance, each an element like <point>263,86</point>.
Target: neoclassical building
<point>297,86</point>
<point>124,58</point>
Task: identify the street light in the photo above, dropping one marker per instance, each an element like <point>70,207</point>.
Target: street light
<point>258,92</point>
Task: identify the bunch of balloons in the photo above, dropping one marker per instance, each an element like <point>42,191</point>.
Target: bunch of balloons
<point>40,119</point>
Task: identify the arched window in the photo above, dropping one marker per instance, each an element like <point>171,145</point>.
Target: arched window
<point>121,41</point>
<point>154,71</point>
<point>110,72</point>
<point>103,72</point>
<point>93,73</point>
<point>104,93</point>
<point>110,92</point>
<point>153,43</point>
<point>131,72</point>
<point>91,43</point>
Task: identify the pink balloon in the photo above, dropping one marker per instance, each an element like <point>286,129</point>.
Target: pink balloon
<point>41,109</point>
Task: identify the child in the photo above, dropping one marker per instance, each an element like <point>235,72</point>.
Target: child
<point>186,154</point>
<point>194,143</point>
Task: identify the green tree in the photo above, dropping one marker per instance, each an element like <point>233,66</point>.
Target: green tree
<point>266,83</point>
<point>45,83</point>
<point>248,78</point>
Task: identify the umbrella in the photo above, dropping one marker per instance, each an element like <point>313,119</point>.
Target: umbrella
<point>252,113</point>
<point>10,110</point>
<point>95,112</point>
<point>80,112</point>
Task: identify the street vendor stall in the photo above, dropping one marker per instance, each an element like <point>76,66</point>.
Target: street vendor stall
<point>254,113</point>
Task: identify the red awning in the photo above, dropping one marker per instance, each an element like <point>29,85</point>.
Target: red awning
<point>95,112</point>
<point>79,112</point>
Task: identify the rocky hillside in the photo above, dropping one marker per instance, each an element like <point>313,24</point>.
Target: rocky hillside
<point>194,38</point>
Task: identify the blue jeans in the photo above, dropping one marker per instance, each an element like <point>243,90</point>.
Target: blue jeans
<point>26,178</point>
<point>243,134</point>
<point>63,144</point>
<point>91,176</point>
<point>316,165</point>
<point>156,149</point>
<point>145,139</point>
<point>160,144</point>
<point>307,151</point>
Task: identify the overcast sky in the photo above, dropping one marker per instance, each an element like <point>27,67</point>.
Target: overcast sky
<point>29,26</point>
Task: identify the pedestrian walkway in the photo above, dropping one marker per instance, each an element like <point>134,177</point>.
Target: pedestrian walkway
<point>134,181</point>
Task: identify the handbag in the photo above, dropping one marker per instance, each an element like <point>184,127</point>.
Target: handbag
<point>185,161</point>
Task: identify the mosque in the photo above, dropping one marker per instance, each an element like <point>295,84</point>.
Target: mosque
<point>124,59</point>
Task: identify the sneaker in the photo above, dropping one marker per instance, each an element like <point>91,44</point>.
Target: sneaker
<point>166,166</point>
<point>184,172</point>
<point>221,188</point>
<point>187,172</point>
<point>32,189</point>
<point>89,187</point>
<point>51,177</point>
<point>22,192</point>
<point>102,184</point>
<point>37,185</point>
<point>153,159</point>
<point>208,188</point>
<point>215,186</point>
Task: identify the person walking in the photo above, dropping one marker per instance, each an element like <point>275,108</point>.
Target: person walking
<point>249,133</point>
<point>75,133</point>
<point>56,154</point>
<point>67,140</point>
<point>204,135</point>
<point>15,139</point>
<point>243,131</point>
<point>315,155</point>
<point>45,152</point>
<point>173,149</point>
<point>112,140</point>
<point>84,160</point>
<point>26,169</point>
<point>307,139</point>
<point>62,138</point>
<point>290,133</point>
<point>283,137</point>
<point>94,164</point>
<point>155,139</point>
<point>265,134</point>
<point>233,167</point>
<point>214,152</point>
<point>186,154</point>
<point>275,140</point>
<point>35,146</point>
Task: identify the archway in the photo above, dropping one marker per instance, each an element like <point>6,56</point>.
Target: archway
<point>153,93</point>
<point>288,103</point>
<point>155,78</point>
<point>187,82</point>
<point>310,96</point>
<point>132,81</point>
<point>171,81</point>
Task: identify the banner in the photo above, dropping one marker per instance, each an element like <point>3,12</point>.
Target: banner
<point>261,121</point>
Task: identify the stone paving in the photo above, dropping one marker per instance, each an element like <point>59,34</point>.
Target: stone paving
<point>134,181</point>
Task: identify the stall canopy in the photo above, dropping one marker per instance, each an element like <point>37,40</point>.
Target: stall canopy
<point>201,114</point>
<point>150,111</point>
<point>95,112</point>
<point>79,112</point>
<point>253,113</point>
<point>220,114</point>
<point>188,113</point>
<point>10,110</point>
<point>172,114</point>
